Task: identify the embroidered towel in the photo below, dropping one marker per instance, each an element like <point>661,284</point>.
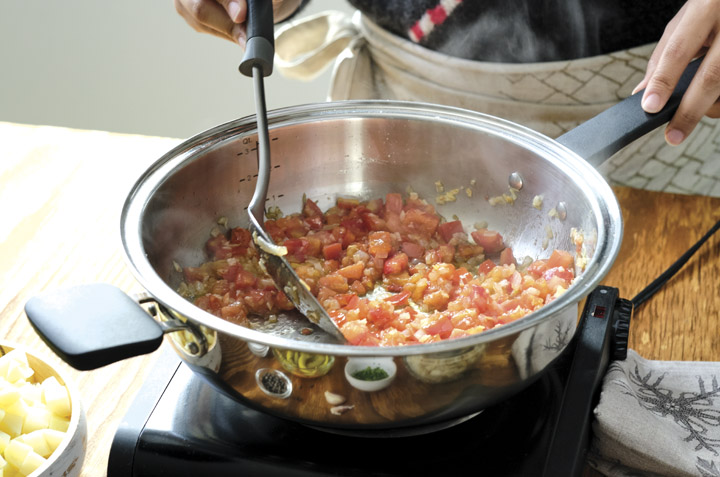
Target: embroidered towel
<point>658,418</point>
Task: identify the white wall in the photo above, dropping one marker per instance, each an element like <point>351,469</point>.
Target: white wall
<point>130,66</point>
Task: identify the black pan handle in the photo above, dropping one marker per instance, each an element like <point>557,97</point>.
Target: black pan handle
<point>260,46</point>
<point>93,325</point>
<point>605,134</point>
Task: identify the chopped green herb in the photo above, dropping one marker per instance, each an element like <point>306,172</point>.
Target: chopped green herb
<point>370,374</point>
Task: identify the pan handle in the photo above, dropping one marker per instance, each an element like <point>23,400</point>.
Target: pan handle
<point>605,134</point>
<point>93,325</point>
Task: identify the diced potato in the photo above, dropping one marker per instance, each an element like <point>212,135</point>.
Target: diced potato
<point>4,440</point>
<point>30,392</point>
<point>36,418</point>
<point>56,397</point>
<point>16,452</point>
<point>12,424</point>
<point>58,423</point>
<point>17,360</point>
<point>37,441</point>
<point>52,437</point>
<point>8,394</point>
<point>31,463</point>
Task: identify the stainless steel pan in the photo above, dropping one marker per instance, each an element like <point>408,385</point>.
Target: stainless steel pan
<point>367,149</point>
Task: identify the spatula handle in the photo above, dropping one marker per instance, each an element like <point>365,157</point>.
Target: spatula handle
<point>260,47</point>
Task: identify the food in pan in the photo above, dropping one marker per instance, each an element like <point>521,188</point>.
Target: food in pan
<point>389,272</point>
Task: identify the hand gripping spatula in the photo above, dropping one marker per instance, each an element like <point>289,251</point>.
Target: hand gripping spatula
<point>258,63</point>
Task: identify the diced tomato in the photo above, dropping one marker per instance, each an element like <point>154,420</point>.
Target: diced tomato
<point>373,222</point>
<point>335,282</point>
<point>439,325</point>
<point>209,303</point>
<point>352,272</point>
<point>230,273</point>
<point>275,231</point>
<point>381,314</point>
<point>380,244</point>
<point>507,257</point>
<point>421,222</point>
<point>295,248</point>
<point>234,311</point>
<point>332,251</point>
<point>358,288</point>
<point>560,272</point>
<point>394,203</point>
<point>479,298</point>
<point>355,331</point>
<point>412,250</point>
<point>353,247</point>
<point>393,222</point>
<point>245,279</point>
<point>489,240</point>
<point>311,209</point>
<point>537,268</point>
<point>395,264</point>
<point>314,223</point>
<point>282,302</point>
<point>560,258</point>
<point>448,229</point>
<point>355,225</point>
<point>398,299</point>
<point>240,236</point>
<point>259,301</point>
<point>292,226</point>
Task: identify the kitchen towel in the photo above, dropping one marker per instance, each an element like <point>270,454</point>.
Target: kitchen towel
<point>658,418</point>
<point>549,97</point>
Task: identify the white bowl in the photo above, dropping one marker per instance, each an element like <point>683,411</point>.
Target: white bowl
<point>357,364</point>
<point>67,459</point>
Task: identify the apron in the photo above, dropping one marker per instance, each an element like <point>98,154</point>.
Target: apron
<point>549,97</point>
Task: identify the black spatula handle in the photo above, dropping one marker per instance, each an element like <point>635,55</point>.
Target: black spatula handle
<point>260,47</point>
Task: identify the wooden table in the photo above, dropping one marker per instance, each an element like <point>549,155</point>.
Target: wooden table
<point>61,192</point>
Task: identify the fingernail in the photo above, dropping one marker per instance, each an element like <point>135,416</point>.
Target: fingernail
<point>238,33</point>
<point>674,137</point>
<point>651,103</point>
<point>233,10</point>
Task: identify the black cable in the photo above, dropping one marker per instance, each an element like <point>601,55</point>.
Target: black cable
<point>650,290</point>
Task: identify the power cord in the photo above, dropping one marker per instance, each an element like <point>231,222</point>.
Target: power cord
<point>650,290</point>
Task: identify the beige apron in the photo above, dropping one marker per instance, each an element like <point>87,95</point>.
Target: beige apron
<point>549,97</point>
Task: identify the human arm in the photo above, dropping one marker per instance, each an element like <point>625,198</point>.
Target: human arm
<point>694,31</point>
<point>226,18</point>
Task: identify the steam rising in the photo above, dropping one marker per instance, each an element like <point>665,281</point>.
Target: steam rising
<point>526,33</point>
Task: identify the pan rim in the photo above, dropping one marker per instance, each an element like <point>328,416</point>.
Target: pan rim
<point>600,195</point>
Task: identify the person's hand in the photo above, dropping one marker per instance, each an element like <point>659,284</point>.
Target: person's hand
<point>693,31</point>
<point>226,18</point>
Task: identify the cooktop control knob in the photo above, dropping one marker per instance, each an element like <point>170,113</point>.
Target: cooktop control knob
<point>621,328</point>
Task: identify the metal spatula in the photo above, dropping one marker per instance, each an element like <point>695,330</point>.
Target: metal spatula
<point>258,63</point>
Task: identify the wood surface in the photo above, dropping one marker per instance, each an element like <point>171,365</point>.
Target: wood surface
<point>62,190</point>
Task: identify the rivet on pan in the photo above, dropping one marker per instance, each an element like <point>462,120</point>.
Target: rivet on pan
<point>561,210</point>
<point>515,181</point>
